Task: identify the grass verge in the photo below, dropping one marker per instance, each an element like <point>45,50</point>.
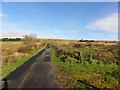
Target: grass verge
<point>96,74</point>
<point>7,69</point>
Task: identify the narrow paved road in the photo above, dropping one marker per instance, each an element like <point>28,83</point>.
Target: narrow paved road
<point>35,73</point>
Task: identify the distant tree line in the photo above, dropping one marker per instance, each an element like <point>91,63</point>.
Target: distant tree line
<point>27,39</point>
<point>86,40</point>
<point>10,39</point>
<point>97,41</point>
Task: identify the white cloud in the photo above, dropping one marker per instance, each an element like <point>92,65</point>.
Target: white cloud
<point>1,15</point>
<point>57,31</point>
<point>52,35</point>
<point>43,35</point>
<point>11,30</point>
<point>109,24</point>
<point>113,36</point>
<point>58,36</point>
<point>13,33</point>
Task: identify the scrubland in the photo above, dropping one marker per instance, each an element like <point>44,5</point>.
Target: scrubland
<point>76,64</point>
<point>86,64</point>
<point>15,53</point>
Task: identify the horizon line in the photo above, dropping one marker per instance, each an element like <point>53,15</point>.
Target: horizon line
<point>62,39</point>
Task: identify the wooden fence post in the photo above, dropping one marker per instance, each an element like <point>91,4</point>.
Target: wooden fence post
<point>80,56</point>
<point>90,57</point>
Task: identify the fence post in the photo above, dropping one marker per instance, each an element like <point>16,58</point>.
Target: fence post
<point>90,57</point>
<point>79,56</point>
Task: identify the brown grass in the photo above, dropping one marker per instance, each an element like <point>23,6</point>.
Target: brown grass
<point>11,50</point>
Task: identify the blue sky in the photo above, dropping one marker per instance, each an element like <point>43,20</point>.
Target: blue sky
<point>76,21</point>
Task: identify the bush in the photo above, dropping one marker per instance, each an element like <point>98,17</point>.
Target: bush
<point>29,39</point>
<point>24,49</point>
<point>77,45</point>
<point>62,57</point>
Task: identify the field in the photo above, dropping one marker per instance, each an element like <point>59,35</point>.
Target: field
<point>76,64</point>
<point>86,64</point>
<point>15,53</point>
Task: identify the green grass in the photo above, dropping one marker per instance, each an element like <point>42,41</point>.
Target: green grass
<point>7,69</point>
<point>95,65</point>
<point>108,71</point>
<point>83,50</point>
<point>86,50</point>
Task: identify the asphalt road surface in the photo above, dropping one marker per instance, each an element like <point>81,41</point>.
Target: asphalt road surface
<point>35,73</point>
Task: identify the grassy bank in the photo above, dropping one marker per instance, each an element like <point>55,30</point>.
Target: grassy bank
<point>18,61</point>
<point>96,74</point>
